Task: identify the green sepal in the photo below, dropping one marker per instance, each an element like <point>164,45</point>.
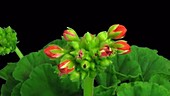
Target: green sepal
<point>121,51</point>
<point>75,52</point>
<point>72,38</point>
<point>113,27</point>
<point>114,34</point>
<point>55,51</point>
<point>106,42</point>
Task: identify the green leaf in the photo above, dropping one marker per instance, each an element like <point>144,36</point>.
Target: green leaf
<point>126,67</point>
<point>107,78</point>
<point>161,79</point>
<point>6,72</point>
<point>44,82</point>
<point>28,63</point>
<point>141,89</point>
<point>141,63</point>
<point>7,88</point>
<point>150,62</point>
<point>104,91</point>
<point>16,90</point>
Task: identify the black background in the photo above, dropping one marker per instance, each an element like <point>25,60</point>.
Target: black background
<point>39,23</point>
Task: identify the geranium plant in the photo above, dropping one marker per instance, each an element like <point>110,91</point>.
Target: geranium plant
<point>100,64</point>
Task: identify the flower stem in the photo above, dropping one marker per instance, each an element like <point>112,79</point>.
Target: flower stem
<point>18,52</point>
<point>88,85</point>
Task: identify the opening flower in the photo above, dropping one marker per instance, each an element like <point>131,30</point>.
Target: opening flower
<point>105,51</point>
<point>80,54</point>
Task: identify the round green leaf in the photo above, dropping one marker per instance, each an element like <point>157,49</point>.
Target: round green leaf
<point>44,82</point>
<point>150,62</point>
<point>161,79</point>
<point>140,62</point>
<point>104,91</point>
<point>107,78</point>
<point>16,90</point>
<point>142,89</point>
<point>7,88</point>
<point>28,63</point>
<point>125,67</point>
<point>6,72</point>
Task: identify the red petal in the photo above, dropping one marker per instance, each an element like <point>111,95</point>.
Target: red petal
<point>65,71</point>
<point>123,31</point>
<point>50,54</point>
<point>125,46</point>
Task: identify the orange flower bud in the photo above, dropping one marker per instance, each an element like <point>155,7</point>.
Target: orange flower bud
<point>117,31</point>
<point>122,46</point>
<point>53,51</point>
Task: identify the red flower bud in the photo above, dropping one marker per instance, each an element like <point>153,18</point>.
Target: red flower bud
<point>70,35</point>
<point>65,67</point>
<point>122,46</point>
<point>53,51</point>
<point>105,51</point>
<point>117,31</point>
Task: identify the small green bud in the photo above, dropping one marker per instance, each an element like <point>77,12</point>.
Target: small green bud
<point>85,65</point>
<point>88,37</point>
<point>92,66</point>
<point>102,36</point>
<point>105,62</point>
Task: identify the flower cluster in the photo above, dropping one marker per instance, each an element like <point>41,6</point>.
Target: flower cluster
<point>8,40</point>
<point>89,54</point>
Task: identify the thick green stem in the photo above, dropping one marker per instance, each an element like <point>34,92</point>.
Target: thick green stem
<point>18,52</point>
<point>88,86</point>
